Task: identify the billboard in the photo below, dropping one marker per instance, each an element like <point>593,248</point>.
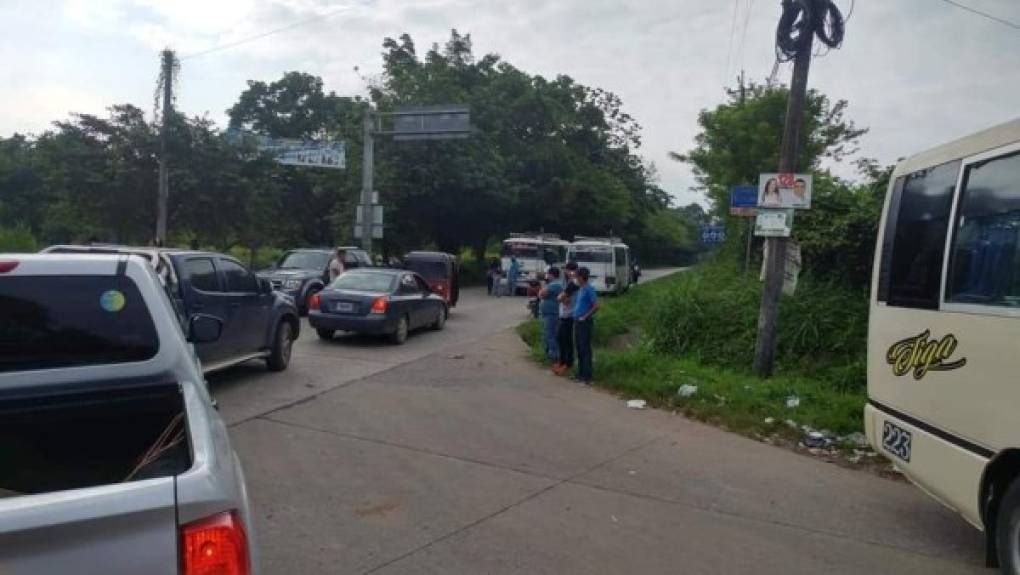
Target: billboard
<point>743,201</point>
<point>294,152</point>
<point>784,191</point>
<point>771,223</point>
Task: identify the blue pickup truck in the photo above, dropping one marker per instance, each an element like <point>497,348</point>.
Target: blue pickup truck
<point>258,322</point>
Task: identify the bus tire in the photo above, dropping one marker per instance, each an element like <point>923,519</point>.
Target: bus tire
<point>1007,530</point>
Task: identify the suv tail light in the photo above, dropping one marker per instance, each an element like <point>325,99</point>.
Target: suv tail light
<point>7,265</point>
<point>314,302</point>
<point>380,305</point>
<point>216,545</point>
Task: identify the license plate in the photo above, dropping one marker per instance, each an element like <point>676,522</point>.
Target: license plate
<point>344,306</point>
<point>896,440</point>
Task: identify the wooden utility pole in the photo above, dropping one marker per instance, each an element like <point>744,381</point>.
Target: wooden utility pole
<point>169,61</point>
<point>775,263</point>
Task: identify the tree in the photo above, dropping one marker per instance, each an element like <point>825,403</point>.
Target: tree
<point>741,138</point>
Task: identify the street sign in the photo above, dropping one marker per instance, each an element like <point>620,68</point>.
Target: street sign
<point>377,232</point>
<point>429,123</point>
<point>713,234</point>
<point>773,223</point>
<point>294,152</point>
<point>743,201</point>
<point>784,191</point>
<point>376,214</point>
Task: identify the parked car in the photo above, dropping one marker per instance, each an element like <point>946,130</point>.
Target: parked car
<point>115,461</point>
<point>378,302</point>
<point>302,273</point>
<point>258,323</point>
<point>440,270</point>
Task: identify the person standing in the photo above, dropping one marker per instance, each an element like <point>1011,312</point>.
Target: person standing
<point>511,276</point>
<point>585,307</point>
<point>549,311</point>
<point>493,276</point>
<point>336,265</point>
<point>565,329</point>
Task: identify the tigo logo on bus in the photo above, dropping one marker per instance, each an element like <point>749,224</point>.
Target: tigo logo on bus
<point>920,354</point>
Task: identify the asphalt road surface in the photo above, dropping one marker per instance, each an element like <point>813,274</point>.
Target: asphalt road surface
<point>455,454</point>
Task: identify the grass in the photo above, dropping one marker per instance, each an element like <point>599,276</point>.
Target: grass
<point>728,394</point>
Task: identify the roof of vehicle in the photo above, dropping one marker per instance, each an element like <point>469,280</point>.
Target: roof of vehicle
<point>145,251</point>
<point>536,238</point>
<point>427,255</point>
<point>600,242</point>
<point>64,264</point>
<point>387,271</point>
<point>976,143</point>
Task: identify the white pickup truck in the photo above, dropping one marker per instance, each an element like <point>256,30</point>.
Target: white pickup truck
<point>113,460</point>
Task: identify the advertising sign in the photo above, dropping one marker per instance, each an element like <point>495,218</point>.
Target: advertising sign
<point>294,152</point>
<point>713,234</point>
<point>784,191</point>
<point>773,223</point>
<point>743,201</point>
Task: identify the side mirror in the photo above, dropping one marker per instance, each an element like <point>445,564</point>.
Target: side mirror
<point>204,328</point>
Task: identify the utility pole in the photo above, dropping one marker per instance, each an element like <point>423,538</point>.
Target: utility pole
<point>775,263</point>
<point>366,208</point>
<point>169,62</point>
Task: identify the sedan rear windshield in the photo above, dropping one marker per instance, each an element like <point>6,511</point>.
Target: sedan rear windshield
<point>68,321</point>
<point>356,281</point>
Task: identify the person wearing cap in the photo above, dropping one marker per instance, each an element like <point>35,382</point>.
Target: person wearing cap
<point>549,312</point>
<point>565,329</point>
<point>585,307</point>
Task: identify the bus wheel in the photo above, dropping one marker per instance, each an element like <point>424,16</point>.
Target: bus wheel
<point>1007,530</point>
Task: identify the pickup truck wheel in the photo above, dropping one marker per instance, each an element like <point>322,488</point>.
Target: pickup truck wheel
<point>1007,530</point>
<point>279,358</point>
<point>440,320</point>
<point>326,334</point>
<point>400,335</point>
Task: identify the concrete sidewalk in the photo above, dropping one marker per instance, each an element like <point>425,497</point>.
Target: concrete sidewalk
<point>477,461</point>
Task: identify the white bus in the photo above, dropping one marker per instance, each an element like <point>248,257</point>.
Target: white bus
<point>608,260</point>
<point>944,332</point>
<point>534,253</point>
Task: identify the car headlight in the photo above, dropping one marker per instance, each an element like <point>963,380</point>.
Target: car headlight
<point>292,284</point>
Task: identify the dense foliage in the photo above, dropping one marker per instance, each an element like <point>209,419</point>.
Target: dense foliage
<point>546,154</point>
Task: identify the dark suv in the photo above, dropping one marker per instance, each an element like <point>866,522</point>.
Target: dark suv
<point>258,323</point>
<point>302,273</point>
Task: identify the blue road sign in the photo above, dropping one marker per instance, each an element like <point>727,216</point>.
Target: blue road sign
<point>744,197</point>
<point>713,234</point>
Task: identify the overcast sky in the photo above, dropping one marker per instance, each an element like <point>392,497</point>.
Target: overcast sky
<point>916,72</point>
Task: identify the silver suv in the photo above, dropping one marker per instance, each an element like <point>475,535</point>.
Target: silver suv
<point>114,459</point>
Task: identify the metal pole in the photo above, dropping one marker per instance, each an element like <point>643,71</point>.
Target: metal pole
<point>366,180</point>
<point>775,264</point>
<point>164,191</point>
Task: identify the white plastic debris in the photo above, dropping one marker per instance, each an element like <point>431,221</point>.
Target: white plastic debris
<point>791,424</point>
<point>792,401</point>
<point>770,420</point>
<point>687,390</point>
<point>637,404</point>
<point>856,440</point>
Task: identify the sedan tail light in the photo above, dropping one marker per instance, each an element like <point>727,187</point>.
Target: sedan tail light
<point>380,305</point>
<point>216,545</point>
<point>314,302</point>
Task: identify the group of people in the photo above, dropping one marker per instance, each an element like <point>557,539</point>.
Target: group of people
<point>494,277</point>
<point>567,307</point>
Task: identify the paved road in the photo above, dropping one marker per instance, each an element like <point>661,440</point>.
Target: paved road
<point>455,454</point>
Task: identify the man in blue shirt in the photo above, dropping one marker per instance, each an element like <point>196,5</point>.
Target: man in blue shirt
<point>549,312</point>
<point>511,276</point>
<point>585,306</point>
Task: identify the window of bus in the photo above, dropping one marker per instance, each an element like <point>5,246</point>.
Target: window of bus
<point>520,250</point>
<point>985,255</point>
<point>592,254</point>
<point>910,270</point>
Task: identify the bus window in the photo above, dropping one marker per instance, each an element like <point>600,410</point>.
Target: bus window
<point>985,260</point>
<point>910,270</point>
<point>621,256</point>
<point>520,250</point>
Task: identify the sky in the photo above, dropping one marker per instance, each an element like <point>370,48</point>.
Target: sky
<point>917,73</point>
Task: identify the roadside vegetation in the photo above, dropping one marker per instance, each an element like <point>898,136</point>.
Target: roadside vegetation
<point>697,328</point>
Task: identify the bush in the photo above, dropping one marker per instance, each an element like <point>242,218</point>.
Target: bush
<point>711,314</point>
<point>17,239</point>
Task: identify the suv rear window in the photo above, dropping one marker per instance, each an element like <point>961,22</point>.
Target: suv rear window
<point>68,321</point>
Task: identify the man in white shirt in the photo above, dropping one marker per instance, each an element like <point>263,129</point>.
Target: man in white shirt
<point>336,265</point>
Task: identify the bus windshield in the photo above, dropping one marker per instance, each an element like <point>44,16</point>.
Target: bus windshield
<point>592,254</point>
<point>520,250</point>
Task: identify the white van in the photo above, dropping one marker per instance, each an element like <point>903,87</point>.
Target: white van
<point>944,331</point>
<point>534,253</point>
<point>608,260</point>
